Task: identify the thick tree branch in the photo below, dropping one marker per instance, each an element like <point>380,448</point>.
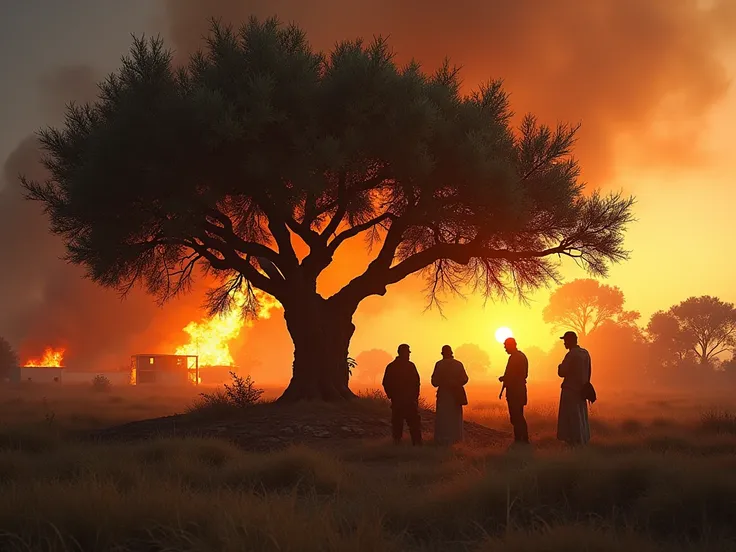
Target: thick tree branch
<point>377,276</point>
<point>342,207</point>
<point>231,260</point>
<point>253,249</point>
<point>358,229</point>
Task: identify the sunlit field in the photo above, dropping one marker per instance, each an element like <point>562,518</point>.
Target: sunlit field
<point>660,474</point>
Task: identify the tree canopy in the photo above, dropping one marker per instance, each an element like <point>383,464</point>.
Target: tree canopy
<point>261,143</point>
<point>701,326</point>
<point>584,304</point>
<point>477,362</point>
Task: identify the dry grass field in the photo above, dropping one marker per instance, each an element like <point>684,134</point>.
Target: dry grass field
<point>660,474</point>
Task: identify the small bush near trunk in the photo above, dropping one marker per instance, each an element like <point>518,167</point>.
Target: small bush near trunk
<point>242,393</point>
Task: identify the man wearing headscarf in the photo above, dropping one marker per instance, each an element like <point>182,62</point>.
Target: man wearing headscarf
<point>449,377</point>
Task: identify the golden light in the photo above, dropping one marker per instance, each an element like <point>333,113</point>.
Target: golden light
<point>51,358</point>
<point>210,339</point>
<point>503,333</point>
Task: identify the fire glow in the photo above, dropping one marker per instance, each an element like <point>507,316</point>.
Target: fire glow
<point>210,339</point>
<point>51,358</point>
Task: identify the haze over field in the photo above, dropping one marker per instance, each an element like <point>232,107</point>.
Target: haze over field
<point>650,83</point>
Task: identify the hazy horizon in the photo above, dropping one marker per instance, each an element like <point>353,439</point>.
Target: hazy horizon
<point>651,85</point>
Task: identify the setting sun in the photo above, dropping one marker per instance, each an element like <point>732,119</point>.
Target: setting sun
<point>503,333</point>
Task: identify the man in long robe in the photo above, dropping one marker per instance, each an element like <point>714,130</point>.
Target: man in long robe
<point>514,381</point>
<point>449,377</point>
<point>572,421</point>
<point>401,384</point>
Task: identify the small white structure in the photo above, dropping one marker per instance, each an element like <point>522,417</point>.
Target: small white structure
<point>41,374</point>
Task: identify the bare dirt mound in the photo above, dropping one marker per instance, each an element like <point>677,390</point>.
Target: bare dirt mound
<point>274,426</point>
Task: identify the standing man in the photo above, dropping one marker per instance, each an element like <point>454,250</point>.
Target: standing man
<point>449,377</point>
<point>401,384</point>
<point>572,421</point>
<point>514,381</point>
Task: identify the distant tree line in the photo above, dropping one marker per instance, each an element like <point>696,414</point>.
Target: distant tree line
<point>690,343</point>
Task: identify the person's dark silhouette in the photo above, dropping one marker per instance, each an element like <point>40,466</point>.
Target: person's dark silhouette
<point>401,384</point>
<point>514,381</point>
<point>573,426</point>
<point>449,377</point>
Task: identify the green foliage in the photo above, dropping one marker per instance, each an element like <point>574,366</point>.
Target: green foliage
<point>258,138</point>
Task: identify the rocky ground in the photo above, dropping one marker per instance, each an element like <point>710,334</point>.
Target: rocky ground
<point>273,426</point>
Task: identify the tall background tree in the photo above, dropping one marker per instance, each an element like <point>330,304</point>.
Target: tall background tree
<point>476,361</point>
<point>8,359</point>
<point>371,366</point>
<point>701,326</point>
<point>259,159</point>
<point>584,304</point>
<point>596,312</point>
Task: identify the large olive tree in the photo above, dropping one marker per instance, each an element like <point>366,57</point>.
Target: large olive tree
<point>261,158</point>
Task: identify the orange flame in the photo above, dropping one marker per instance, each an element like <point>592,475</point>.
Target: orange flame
<point>210,339</point>
<point>51,357</point>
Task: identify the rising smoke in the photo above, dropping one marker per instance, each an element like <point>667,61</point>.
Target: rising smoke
<point>624,68</point>
<point>627,69</point>
<point>47,302</point>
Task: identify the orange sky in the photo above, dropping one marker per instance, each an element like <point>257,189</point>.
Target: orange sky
<point>649,81</point>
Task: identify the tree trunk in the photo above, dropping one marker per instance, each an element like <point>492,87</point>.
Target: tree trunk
<point>321,336</point>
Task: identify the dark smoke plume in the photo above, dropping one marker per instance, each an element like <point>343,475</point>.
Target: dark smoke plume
<point>616,66</point>
<point>47,302</point>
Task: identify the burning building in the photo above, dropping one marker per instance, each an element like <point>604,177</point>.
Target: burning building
<point>47,369</point>
<point>38,374</point>
<point>165,369</point>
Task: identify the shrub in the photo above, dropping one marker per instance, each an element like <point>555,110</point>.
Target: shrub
<point>375,395</point>
<point>717,421</point>
<point>101,383</point>
<point>242,393</point>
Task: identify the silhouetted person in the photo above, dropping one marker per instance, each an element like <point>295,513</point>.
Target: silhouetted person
<point>514,381</point>
<point>401,384</point>
<point>449,377</point>
<point>572,421</point>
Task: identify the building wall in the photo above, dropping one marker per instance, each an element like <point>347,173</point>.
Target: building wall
<point>41,375</point>
<point>161,370</point>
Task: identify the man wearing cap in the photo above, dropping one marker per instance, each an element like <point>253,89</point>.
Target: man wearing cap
<point>514,381</point>
<point>401,384</point>
<point>572,420</point>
